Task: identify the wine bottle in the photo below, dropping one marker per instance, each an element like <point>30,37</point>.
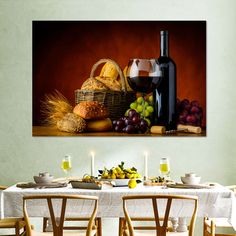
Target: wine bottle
<point>165,93</point>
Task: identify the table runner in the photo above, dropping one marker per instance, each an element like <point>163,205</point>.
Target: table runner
<point>216,202</point>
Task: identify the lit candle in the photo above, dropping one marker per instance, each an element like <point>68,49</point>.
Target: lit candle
<point>92,163</point>
<point>145,166</point>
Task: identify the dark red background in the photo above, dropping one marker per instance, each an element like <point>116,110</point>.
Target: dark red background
<point>64,52</point>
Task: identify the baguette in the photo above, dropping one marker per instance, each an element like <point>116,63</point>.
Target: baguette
<point>109,70</point>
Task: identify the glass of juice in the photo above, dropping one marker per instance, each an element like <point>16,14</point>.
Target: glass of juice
<point>66,164</point>
<point>165,167</point>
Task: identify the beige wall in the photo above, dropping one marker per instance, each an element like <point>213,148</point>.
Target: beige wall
<point>22,156</point>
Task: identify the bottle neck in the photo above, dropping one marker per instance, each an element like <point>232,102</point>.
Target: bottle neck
<point>164,44</point>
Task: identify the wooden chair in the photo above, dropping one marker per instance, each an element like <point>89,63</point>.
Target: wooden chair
<point>210,225</point>
<point>159,230</point>
<point>98,224</point>
<point>146,227</point>
<point>16,224</point>
<point>58,226</point>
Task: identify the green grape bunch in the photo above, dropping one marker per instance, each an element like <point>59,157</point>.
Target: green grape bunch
<point>144,107</point>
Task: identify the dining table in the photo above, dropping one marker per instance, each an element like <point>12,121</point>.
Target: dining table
<point>217,201</point>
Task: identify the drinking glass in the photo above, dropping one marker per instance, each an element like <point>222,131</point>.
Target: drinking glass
<point>165,167</point>
<point>143,76</point>
<point>66,164</point>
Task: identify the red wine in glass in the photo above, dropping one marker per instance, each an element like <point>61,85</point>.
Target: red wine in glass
<point>144,75</point>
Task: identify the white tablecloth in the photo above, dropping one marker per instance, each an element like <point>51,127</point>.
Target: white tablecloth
<point>216,202</point>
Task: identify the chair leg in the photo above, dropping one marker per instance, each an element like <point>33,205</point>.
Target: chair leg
<point>98,223</point>
<point>213,228</point>
<point>204,227</point>
<point>45,221</point>
<point>17,229</point>
<point>121,226</point>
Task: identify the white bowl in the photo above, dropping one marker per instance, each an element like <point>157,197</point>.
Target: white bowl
<point>190,175</point>
<point>43,179</point>
<point>191,180</point>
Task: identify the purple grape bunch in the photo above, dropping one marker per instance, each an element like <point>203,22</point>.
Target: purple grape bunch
<point>189,113</point>
<point>131,124</point>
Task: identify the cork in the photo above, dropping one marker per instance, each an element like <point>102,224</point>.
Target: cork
<point>158,129</point>
<point>190,128</point>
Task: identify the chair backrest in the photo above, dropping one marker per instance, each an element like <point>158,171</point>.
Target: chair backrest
<point>160,229</point>
<point>58,226</point>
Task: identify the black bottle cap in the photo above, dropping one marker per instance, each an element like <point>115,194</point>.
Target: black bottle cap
<point>164,32</point>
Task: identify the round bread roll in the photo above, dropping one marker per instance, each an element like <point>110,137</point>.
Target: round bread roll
<point>91,110</point>
<point>71,123</point>
<point>99,125</point>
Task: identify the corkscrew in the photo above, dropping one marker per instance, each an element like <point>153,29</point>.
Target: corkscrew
<point>174,131</point>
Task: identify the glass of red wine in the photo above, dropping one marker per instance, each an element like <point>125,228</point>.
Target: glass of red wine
<point>144,76</point>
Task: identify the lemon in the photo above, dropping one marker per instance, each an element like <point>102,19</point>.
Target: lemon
<point>118,170</point>
<point>132,183</point>
<point>122,176</point>
<point>113,176</point>
<point>87,177</point>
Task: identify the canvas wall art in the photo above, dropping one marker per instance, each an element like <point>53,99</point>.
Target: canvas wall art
<point>119,78</point>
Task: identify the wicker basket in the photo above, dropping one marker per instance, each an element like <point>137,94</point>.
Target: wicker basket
<point>117,102</point>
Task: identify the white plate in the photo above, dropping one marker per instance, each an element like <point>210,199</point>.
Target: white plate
<point>187,186</point>
<point>84,185</point>
<point>118,182</point>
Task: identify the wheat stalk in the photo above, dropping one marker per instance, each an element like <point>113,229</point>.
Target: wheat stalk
<point>55,107</point>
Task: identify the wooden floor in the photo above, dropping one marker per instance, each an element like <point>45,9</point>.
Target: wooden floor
<point>51,131</point>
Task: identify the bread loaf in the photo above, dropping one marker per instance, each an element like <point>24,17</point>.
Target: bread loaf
<point>99,125</point>
<point>91,110</point>
<point>109,70</point>
<point>93,84</point>
<point>71,123</point>
<point>110,83</point>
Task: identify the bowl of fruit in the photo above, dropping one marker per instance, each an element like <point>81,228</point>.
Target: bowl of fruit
<point>119,175</point>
